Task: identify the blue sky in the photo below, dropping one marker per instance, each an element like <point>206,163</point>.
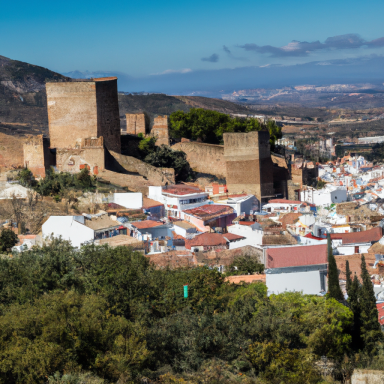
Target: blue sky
<point>145,38</point>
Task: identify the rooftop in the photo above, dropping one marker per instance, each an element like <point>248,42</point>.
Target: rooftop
<point>211,239</point>
<point>181,189</point>
<point>102,222</point>
<point>296,256</point>
<point>209,210</point>
<point>121,240</point>
<point>184,224</point>
<point>372,235</point>
<point>246,279</point>
<point>149,203</point>
<point>146,224</point>
<point>284,201</point>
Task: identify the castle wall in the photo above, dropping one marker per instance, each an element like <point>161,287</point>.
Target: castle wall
<point>204,158</point>
<point>249,164</point>
<point>160,130</point>
<point>10,154</point>
<point>135,123</point>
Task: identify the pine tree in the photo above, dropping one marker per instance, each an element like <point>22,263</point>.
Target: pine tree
<point>348,274</point>
<point>370,327</point>
<point>353,301</point>
<point>334,290</point>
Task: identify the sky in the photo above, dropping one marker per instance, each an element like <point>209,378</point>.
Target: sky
<point>156,42</point>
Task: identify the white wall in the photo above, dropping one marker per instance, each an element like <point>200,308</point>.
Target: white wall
<point>307,282</point>
<point>252,236</point>
<point>68,228</point>
<point>350,249</point>
<point>129,200</point>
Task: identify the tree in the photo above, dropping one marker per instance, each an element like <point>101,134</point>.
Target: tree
<point>166,157</point>
<point>334,290</point>
<point>147,146</point>
<point>353,301</point>
<point>244,265</point>
<point>26,178</point>
<point>8,239</point>
<point>370,327</point>
<point>348,274</point>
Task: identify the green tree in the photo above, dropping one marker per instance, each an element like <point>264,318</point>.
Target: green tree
<point>370,330</point>
<point>147,146</point>
<point>348,274</point>
<point>353,301</point>
<point>26,178</point>
<point>166,157</point>
<point>334,290</point>
<point>8,239</point>
<point>243,265</point>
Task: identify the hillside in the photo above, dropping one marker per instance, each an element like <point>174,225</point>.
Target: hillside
<point>23,103</point>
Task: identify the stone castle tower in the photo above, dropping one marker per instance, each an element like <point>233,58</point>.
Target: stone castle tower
<point>135,123</point>
<point>79,110</point>
<point>248,163</point>
<point>160,130</point>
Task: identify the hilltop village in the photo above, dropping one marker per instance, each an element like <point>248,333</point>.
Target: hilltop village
<point>276,211</point>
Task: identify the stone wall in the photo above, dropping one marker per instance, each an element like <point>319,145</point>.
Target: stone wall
<point>160,130</point>
<point>11,155</point>
<point>364,376</point>
<point>34,155</point>
<point>83,109</point>
<point>204,158</point>
<point>156,176</point>
<point>135,123</point>
<point>90,154</point>
<point>249,164</point>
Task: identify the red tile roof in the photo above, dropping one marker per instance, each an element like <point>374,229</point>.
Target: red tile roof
<point>310,236</point>
<point>146,224</point>
<point>296,256</point>
<point>232,236</point>
<point>209,209</point>
<point>371,235</point>
<point>181,189</point>
<point>284,201</point>
<point>247,222</point>
<point>206,239</point>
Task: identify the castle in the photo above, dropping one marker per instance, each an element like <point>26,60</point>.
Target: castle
<point>84,132</point>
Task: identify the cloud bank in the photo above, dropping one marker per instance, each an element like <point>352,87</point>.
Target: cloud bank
<point>303,48</point>
<point>214,58</point>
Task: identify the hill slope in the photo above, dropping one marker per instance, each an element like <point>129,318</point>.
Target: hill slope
<point>23,102</point>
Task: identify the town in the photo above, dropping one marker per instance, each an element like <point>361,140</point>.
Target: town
<point>256,210</point>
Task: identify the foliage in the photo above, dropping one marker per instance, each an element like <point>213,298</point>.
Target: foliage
<point>57,184</point>
<point>70,317</point>
<point>209,126</point>
<point>26,178</point>
<point>334,290</point>
<point>147,145</point>
<point>320,184</point>
<point>370,327</point>
<point>244,265</point>
<point>165,157</point>
<point>8,239</point>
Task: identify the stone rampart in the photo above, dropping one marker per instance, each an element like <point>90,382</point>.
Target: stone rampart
<point>11,155</point>
<point>204,158</point>
<point>34,155</point>
<point>156,176</point>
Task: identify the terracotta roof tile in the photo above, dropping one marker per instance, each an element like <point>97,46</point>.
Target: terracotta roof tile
<point>146,224</point>
<point>373,234</point>
<point>296,256</point>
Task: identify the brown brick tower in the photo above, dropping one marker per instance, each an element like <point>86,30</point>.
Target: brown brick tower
<point>249,164</point>
<point>160,130</point>
<point>80,110</point>
<point>135,123</point>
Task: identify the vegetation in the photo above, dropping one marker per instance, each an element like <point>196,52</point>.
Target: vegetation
<point>334,290</point>
<point>244,265</point>
<point>104,315</point>
<point>8,239</point>
<point>209,126</point>
<point>58,184</point>
<point>165,157</point>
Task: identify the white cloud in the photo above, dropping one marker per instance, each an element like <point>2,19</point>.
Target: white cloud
<point>169,71</point>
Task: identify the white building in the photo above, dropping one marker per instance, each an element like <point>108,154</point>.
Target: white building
<point>282,206</point>
<point>243,204</point>
<point>130,200</point>
<point>71,228</point>
<point>178,198</point>
<point>253,235</point>
<point>326,196</point>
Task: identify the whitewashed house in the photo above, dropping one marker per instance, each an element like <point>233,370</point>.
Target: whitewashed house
<point>253,235</point>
